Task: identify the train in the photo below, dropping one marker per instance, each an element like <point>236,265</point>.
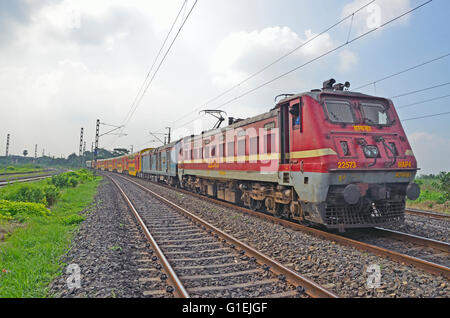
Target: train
<point>330,156</point>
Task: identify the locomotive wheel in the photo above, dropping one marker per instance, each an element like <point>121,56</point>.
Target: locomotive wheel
<point>255,205</point>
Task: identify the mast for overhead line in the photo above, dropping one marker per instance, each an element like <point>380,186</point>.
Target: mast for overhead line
<point>35,151</point>
<point>81,146</point>
<point>97,135</point>
<point>7,145</point>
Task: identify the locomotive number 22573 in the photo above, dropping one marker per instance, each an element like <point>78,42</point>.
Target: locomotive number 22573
<point>346,164</point>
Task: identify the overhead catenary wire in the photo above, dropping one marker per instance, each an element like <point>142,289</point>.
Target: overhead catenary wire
<point>162,61</point>
<point>154,62</point>
<point>317,58</point>
<point>420,90</point>
<point>425,116</point>
<point>147,83</point>
<point>423,101</point>
<point>351,15</point>
<point>403,71</point>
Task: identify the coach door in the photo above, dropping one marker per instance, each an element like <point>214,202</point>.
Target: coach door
<point>296,123</point>
<point>284,121</point>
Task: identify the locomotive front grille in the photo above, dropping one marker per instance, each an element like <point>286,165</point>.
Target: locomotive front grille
<point>364,214</point>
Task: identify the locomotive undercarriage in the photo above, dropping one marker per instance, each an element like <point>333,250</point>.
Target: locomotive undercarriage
<point>283,201</point>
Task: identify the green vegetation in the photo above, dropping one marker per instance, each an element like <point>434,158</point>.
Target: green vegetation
<point>10,169</point>
<point>34,234</point>
<point>435,193</point>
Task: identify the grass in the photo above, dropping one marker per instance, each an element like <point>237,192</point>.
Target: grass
<point>29,257</point>
<point>431,197</point>
<point>20,168</point>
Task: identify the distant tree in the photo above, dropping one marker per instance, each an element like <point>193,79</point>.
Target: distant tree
<point>25,153</point>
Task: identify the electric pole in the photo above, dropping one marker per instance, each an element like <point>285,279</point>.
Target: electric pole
<point>168,135</point>
<point>81,146</point>
<point>97,133</point>
<point>7,145</point>
<point>35,151</point>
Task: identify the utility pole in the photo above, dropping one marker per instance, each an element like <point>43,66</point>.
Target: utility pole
<point>131,149</point>
<point>168,135</point>
<point>43,153</point>
<point>35,151</point>
<point>81,146</point>
<point>97,135</point>
<point>7,145</point>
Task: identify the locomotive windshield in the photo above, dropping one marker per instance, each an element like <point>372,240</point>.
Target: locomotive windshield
<point>374,114</point>
<point>340,112</point>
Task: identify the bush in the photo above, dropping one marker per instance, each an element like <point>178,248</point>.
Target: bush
<point>22,210</point>
<point>72,219</point>
<point>28,193</point>
<point>52,194</point>
<point>60,181</point>
<point>73,182</point>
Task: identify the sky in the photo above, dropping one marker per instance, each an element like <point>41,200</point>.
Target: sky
<point>65,64</point>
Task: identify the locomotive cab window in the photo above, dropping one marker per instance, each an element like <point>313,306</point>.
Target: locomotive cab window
<point>340,112</point>
<point>374,114</point>
<point>296,116</point>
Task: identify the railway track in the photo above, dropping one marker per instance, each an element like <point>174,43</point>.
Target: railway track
<point>430,250</point>
<point>197,259</point>
<point>23,173</point>
<point>388,253</point>
<point>5,183</point>
<point>428,214</point>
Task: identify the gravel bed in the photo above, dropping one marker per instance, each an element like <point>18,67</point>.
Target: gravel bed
<point>203,251</point>
<point>408,248</point>
<point>425,226</point>
<point>341,269</point>
<point>110,251</point>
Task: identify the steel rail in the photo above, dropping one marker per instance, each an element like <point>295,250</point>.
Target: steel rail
<point>438,245</point>
<point>6,183</point>
<point>180,291</point>
<point>430,267</point>
<point>428,213</point>
<point>312,289</point>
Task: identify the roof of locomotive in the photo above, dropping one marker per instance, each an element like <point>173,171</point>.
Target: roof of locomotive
<point>315,94</point>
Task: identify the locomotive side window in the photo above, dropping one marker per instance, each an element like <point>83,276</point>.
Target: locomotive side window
<point>230,150</point>
<point>254,146</point>
<point>340,112</point>
<point>374,114</point>
<point>241,147</point>
<point>269,141</point>
<point>222,150</point>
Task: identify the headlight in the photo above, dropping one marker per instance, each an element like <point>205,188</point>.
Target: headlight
<point>371,151</point>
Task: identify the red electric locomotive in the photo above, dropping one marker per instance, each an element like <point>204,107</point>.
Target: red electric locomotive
<point>329,156</point>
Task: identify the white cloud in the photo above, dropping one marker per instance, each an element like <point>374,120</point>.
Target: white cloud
<point>375,14</point>
<point>431,151</point>
<point>242,53</point>
<point>348,60</point>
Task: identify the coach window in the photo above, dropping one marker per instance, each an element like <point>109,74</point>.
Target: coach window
<point>206,153</point>
<point>213,152</point>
